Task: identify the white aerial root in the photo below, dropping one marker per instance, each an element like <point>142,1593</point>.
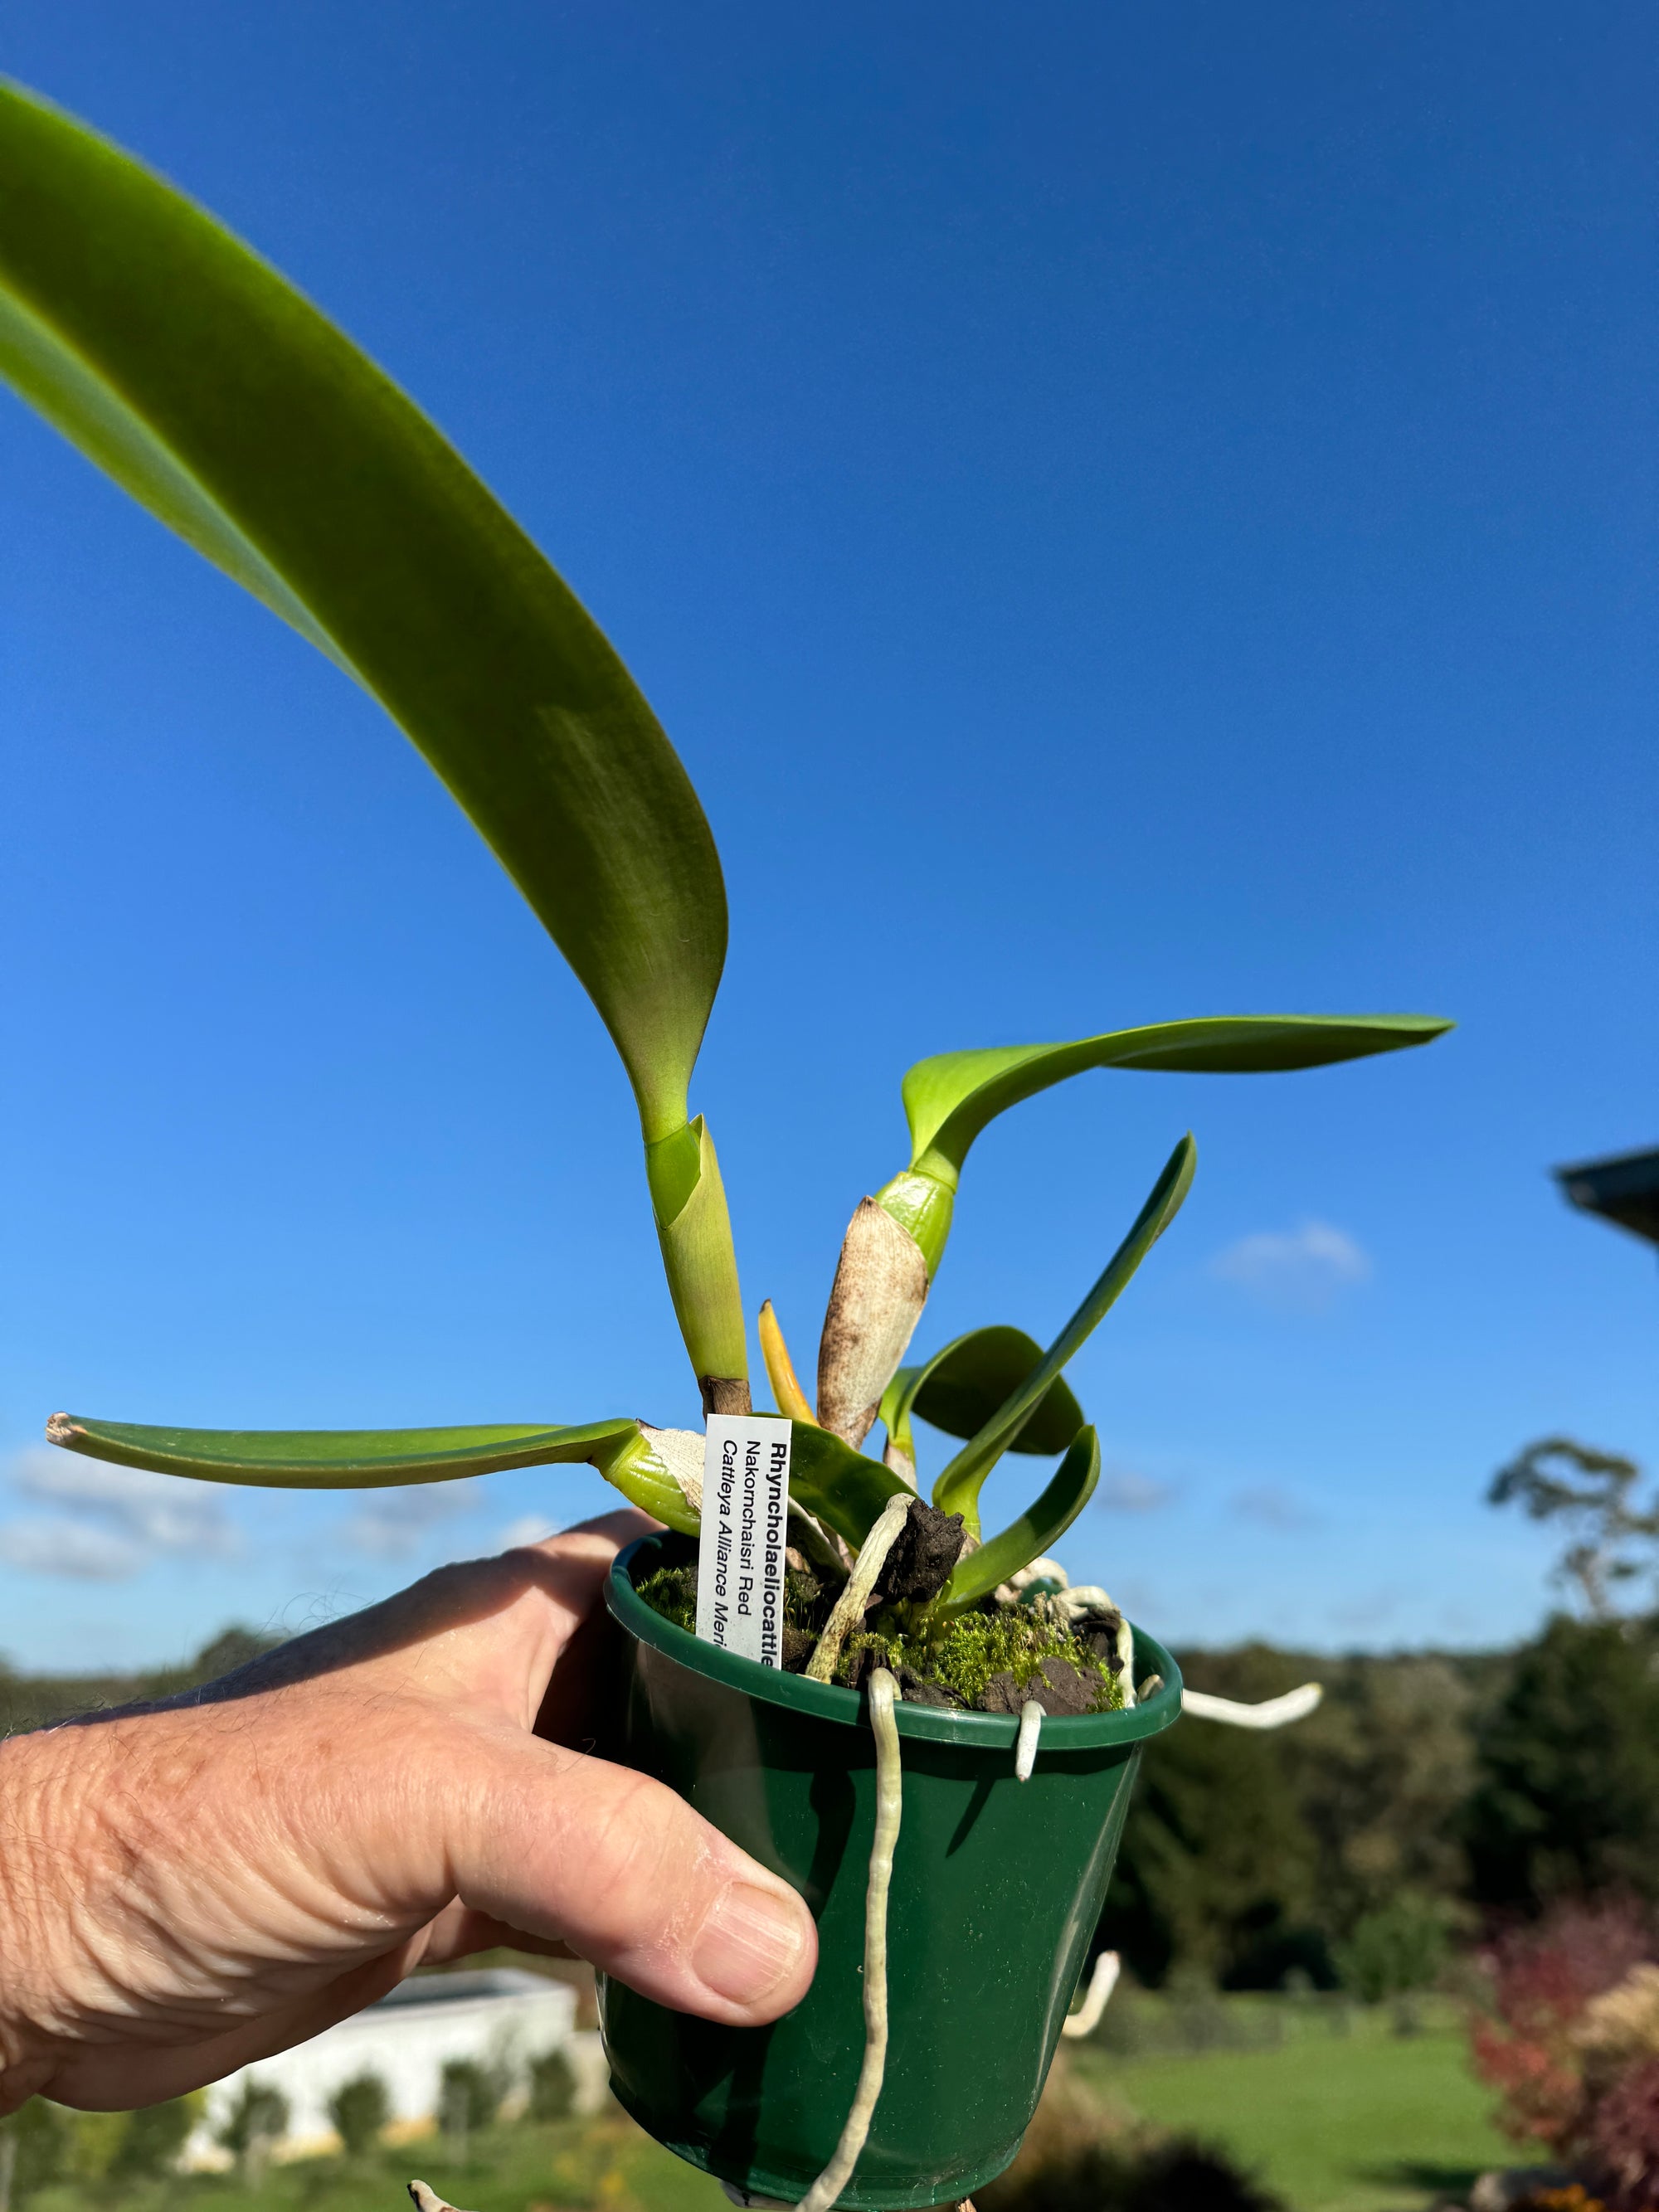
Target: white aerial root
<point>848,1608</point>
<point>1086,2018</point>
<point>1025,1745</point>
<point>889,1806</point>
<point>1275,1712</point>
<point>427,2200</point>
<point>1042,1570</point>
<point>1126,1657</point>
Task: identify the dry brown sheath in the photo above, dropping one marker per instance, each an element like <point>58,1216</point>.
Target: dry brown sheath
<point>879,1291</point>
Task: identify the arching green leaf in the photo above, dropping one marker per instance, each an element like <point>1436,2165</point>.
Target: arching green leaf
<point>958,1486</point>
<point>373,1459</point>
<point>977,1574</point>
<point>961,1387</point>
<point>840,1486</point>
<point>220,397</point>
<point>949,1099</point>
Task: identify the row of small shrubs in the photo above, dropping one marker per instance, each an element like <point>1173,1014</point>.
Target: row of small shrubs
<point>42,2142</point>
<point>470,2095</point>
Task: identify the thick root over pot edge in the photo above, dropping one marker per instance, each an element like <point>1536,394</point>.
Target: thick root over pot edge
<point>889,1806</point>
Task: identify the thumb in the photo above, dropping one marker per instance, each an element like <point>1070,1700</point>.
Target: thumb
<point>575,1850</point>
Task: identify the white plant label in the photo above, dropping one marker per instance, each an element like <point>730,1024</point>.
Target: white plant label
<point>745,1510</point>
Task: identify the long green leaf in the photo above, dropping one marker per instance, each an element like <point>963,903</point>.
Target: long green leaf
<point>961,1387</point>
<point>948,1100</point>
<point>958,1488</point>
<point>220,397</point>
<point>373,1459</point>
<point>844,1489</point>
<point>977,1574</point>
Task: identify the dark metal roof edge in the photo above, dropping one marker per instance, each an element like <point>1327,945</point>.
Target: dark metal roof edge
<point>1648,1157</point>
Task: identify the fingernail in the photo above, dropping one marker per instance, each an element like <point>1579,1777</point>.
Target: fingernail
<point>749,1942</point>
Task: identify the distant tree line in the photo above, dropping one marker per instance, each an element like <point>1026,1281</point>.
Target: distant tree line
<point>1487,1783</point>
<point>1428,1791</point>
<point>32,1701</point>
<point>1482,1788</point>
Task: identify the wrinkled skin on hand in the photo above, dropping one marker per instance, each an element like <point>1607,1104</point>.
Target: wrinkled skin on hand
<point>189,1887</point>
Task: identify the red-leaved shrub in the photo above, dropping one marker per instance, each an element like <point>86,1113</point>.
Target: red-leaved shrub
<point>1624,2138</point>
<point>1543,1979</point>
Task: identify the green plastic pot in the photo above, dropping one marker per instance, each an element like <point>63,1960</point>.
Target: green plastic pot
<point>997,1888</point>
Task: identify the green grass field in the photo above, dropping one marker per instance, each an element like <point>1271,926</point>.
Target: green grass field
<point>1359,2121</point>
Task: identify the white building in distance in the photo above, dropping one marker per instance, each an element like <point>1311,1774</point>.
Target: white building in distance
<point>503,2017</point>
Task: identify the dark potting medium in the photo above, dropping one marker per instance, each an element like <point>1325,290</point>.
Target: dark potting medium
<point>997,1886</point>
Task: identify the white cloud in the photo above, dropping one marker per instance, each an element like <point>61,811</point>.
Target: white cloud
<point>165,1512</point>
<point>394,1524</point>
<point>1124,1490</point>
<point>1304,1267</point>
<point>528,1528</point>
<point>113,1521</point>
<point>49,1543</point>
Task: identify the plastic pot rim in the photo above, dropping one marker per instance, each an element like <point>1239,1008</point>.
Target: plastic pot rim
<point>929,1723</point>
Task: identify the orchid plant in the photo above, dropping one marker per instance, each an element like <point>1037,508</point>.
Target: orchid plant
<point>225,403</point>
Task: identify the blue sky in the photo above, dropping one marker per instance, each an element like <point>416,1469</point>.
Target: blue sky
<point>1126,513</point>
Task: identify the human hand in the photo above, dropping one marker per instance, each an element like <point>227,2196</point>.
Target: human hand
<point>189,1887</point>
